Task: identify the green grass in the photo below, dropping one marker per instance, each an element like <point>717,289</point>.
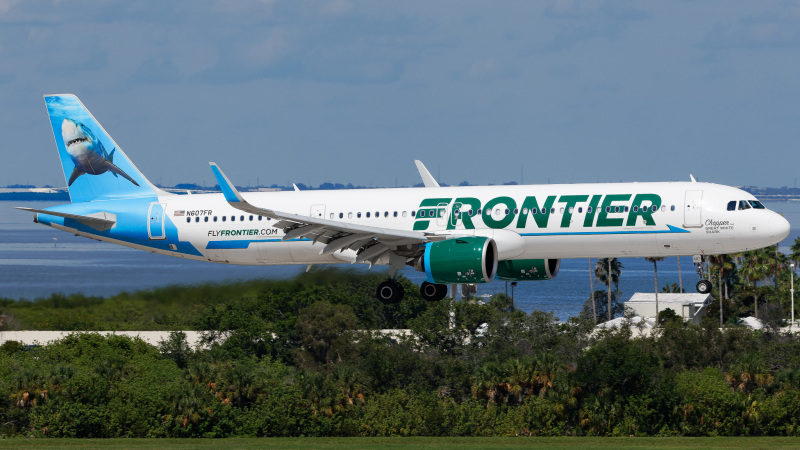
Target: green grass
<point>416,442</point>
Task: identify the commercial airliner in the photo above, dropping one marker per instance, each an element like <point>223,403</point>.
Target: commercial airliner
<point>455,235</point>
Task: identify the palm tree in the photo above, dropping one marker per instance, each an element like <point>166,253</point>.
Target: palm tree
<point>753,270</point>
<point>655,260</point>
<point>591,289</point>
<point>795,255</point>
<point>603,268</point>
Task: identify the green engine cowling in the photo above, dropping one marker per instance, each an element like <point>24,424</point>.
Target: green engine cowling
<point>528,269</point>
<point>460,261</point>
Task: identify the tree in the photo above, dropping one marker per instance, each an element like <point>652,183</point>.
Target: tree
<point>607,270</point>
<point>591,290</point>
<point>753,270</point>
<point>795,254</point>
<point>655,260</point>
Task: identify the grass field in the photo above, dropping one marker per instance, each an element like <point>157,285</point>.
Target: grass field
<point>417,442</point>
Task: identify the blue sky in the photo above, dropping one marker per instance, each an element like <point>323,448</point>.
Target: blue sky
<point>350,91</point>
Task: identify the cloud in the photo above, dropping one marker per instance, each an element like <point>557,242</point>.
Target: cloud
<point>765,31</point>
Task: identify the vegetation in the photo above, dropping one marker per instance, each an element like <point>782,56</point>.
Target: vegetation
<point>305,358</point>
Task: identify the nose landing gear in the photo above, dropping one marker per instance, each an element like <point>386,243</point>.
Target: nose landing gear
<point>703,286</point>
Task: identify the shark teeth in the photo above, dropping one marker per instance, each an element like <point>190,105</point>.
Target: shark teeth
<point>80,139</point>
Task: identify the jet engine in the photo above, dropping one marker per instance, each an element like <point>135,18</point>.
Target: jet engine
<point>528,269</point>
<point>459,260</point>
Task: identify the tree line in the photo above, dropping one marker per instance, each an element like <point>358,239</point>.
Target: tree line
<point>306,358</point>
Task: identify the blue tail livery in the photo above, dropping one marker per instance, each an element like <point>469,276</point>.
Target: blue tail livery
<point>91,170</point>
<point>454,234</point>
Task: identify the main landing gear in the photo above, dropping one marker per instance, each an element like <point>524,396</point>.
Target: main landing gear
<point>703,286</point>
<point>391,291</point>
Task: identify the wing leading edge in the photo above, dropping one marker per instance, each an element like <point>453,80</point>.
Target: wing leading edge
<point>371,243</point>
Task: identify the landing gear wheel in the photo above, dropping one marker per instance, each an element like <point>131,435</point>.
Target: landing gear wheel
<point>704,287</point>
<point>390,292</point>
<point>432,292</point>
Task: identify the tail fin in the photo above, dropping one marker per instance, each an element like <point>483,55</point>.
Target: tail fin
<point>92,171</point>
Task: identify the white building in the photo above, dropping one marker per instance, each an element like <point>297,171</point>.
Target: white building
<point>692,307</point>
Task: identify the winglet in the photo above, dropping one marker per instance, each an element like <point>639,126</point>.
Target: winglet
<point>691,177</point>
<point>228,189</point>
<point>427,178</point>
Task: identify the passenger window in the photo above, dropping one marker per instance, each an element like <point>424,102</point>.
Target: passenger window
<point>534,211</point>
<point>259,218</point>
<point>672,208</point>
<point>188,219</point>
<point>377,214</point>
<point>233,218</point>
<point>589,210</point>
<point>224,218</point>
<point>626,209</point>
<point>663,208</point>
<point>341,215</point>
<point>635,209</point>
<point>241,218</point>
<point>580,209</point>
<point>480,211</point>
<point>561,211</point>
<point>215,218</point>
<point>332,216</point>
<point>413,213</point>
<point>516,211</point>
<point>358,214</point>
<point>205,219</point>
<point>386,213</point>
<point>507,211</point>
<point>251,218</point>
<point>608,209</point>
<point>571,209</point>
<point>367,214</point>
<point>197,219</point>
<point>732,205</point>
<point>655,208</point>
<point>349,215</point>
<point>552,210</point>
<point>404,213</point>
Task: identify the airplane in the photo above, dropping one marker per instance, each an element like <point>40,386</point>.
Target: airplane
<point>455,235</point>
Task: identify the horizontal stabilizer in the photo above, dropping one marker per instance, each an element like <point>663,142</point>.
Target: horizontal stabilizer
<point>100,221</point>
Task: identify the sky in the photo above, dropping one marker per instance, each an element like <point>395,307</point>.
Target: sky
<point>352,92</point>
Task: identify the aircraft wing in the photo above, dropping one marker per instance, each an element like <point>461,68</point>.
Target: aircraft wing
<point>371,242</point>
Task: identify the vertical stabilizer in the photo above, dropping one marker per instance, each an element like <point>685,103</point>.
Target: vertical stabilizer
<point>94,166</point>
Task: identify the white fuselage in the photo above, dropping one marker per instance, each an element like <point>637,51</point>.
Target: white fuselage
<point>692,218</point>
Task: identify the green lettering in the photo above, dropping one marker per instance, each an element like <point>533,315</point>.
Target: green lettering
<point>602,219</point>
<point>591,211</point>
<point>490,221</point>
<point>644,213</point>
<point>542,215</point>
<point>422,223</point>
<point>463,205</point>
<point>570,201</point>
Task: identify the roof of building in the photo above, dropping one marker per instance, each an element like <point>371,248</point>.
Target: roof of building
<point>681,299</point>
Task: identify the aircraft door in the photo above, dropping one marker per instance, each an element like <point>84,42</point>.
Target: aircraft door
<point>692,209</point>
<point>455,217</point>
<point>441,214</point>
<point>155,221</point>
<point>317,211</point>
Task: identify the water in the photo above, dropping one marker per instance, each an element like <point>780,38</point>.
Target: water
<point>37,261</point>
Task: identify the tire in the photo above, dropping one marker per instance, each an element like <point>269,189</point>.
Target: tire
<point>390,292</point>
<point>704,287</point>
<point>432,292</point>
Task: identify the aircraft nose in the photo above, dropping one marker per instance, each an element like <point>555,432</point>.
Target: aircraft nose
<point>779,227</point>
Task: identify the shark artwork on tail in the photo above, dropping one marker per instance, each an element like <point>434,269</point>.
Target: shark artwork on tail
<point>87,152</point>
<point>454,234</point>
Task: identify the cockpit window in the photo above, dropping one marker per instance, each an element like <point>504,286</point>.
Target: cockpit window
<point>732,205</point>
<point>743,204</point>
<point>757,204</point>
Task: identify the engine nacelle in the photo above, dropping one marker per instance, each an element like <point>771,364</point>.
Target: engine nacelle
<point>528,269</point>
<point>459,261</point>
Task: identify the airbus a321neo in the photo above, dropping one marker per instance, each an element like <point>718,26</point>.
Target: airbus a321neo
<point>455,235</point>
